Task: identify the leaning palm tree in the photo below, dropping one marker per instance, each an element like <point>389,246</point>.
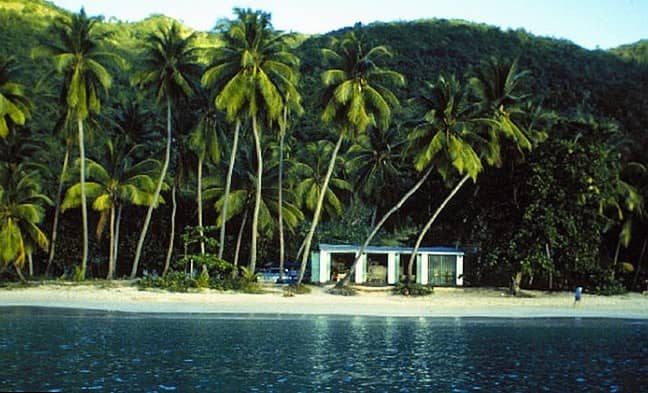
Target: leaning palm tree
<point>116,180</point>
<point>170,69</point>
<point>15,107</point>
<point>462,141</point>
<point>356,97</point>
<point>449,136</point>
<point>255,75</point>
<point>78,57</point>
<point>21,210</point>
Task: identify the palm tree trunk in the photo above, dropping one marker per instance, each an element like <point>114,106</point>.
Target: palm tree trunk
<point>30,261</point>
<point>282,247</point>
<point>228,184</point>
<point>238,239</point>
<point>111,253</point>
<point>300,249</point>
<point>638,270</point>
<point>318,209</point>
<point>116,242</point>
<point>429,224</point>
<point>616,257</point>
<point>347,278</point>
<point>57,210</point>
<point>156,195</point>
<point>167,260</point>
<point>257,198</point>
<point>84,207</point>
<point>19,272</point>
<point>200,209</point>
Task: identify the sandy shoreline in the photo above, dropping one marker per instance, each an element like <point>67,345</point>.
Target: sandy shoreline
<point>445,302</point>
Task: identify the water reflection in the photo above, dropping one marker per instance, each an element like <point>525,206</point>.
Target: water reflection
<point>72,351</point>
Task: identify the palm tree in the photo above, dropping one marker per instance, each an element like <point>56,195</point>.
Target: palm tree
<point>204,142</point>
<point>243,195</point>
<point>15,107</point>
<point>254,74</point>
<point>21,210</point>
<point>449,137</point>
<point>170,69</point>
<point>310,172</point>
<point>497,84</point>
<point>115,181</point>
<point>375,164</point>
<point>78,57</point>
<point>356,96</point>
<point>283,126</point>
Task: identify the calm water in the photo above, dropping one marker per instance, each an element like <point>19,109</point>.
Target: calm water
<point>64,350</point>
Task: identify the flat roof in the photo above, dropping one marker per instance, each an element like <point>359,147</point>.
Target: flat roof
<point>351,248</point>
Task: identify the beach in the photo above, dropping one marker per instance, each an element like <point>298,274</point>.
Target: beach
<point>445,302</point>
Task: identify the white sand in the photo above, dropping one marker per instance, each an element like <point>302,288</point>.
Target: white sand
<point>445,302</point>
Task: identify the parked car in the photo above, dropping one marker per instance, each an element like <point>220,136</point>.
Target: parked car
<point>269,275</point>
<point>290,274</point>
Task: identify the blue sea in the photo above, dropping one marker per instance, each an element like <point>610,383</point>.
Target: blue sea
<point>74,350</point>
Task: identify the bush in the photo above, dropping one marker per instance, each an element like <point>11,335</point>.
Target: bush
<point>610,288</point>
<point>343,291</point>
<point>413,289</point>
<point>297,290</point>
<point>173,281</point>
<point>202,281</point>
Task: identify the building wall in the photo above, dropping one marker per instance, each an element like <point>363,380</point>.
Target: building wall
<point>321,268</point>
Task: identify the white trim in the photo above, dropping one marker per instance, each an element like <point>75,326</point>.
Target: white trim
<point>325,266</point>
<point>459,265</point>
<point>425,258</point>
<point>391,268</point>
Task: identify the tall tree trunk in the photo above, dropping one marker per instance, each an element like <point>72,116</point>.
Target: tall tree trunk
<point>548,251</point>
<point>257,198</point>
<point>111,253</point>
<point>174,207</point>
<point>239,238</point>
<point>57,209</point>
<point>427,226</point>
<point>641,257</point>
<point>84,207</point>
<point>347,278</point>
<point>201,231</point>
<point>516,281</point>
<point>318,209</point>
<point>116,242</point>
<point>615,261</point>
<point>228,184</point>
<point>156,195</point>
<point>19,272</point>
<point>300,249</point>
<point>30,261</point>
<point>282,247</point>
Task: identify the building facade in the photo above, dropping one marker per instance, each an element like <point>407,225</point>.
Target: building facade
<point>378,265</point>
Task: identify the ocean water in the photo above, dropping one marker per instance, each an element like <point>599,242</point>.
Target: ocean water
<point>73,350</point>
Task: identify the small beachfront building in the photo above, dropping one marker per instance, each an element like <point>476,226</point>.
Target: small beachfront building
<point>380,265</point>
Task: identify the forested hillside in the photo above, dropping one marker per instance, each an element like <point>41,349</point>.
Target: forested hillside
<point>554,197</point>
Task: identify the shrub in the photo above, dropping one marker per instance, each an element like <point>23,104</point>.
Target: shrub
<point>293,289</point>
<point>173,281</point>
<point>202,281</point>
<point>343,291</point>
<point>413,289</point>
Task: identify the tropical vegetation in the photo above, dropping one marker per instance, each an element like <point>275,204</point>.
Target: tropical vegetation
<point>224,151</point>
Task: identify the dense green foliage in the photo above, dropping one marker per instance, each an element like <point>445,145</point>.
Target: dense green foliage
<point>559,204</point>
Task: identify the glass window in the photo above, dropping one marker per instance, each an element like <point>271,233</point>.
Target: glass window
<point>442,269</point>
